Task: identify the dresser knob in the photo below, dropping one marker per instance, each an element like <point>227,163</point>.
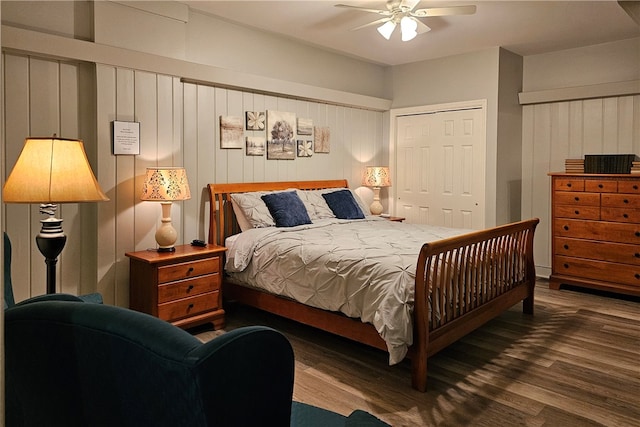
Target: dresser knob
<point>190,288</point>
<point>566,228</point>
<point>190,270</point>
<point>637,255</point>
<point>569,185</point>
<point>566,266</point>
<point>577,199</point>
<point>577,212</point>
<point>637,233</point>
<point>190,307</point>
<point>625,201</point>
<point>635,187</point>
<point>566,246</point>
<point>625,215</point>
<point>600,186</point>
<point>637,276</point>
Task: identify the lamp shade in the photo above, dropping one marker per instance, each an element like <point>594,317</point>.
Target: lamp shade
<point>165,184</point>
<point>52,170</point>
<point>376,176</point>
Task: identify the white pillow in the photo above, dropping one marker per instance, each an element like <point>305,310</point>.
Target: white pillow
<point>243,222</point>
<point>253,208</point>
<point>317,207</point>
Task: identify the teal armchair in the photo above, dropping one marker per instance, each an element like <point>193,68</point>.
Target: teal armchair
<point>78,364</point>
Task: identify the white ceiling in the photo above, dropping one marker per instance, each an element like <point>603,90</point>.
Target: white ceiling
<point>523,27</point>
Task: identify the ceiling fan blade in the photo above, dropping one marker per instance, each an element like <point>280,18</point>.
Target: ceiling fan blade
<point>408,5</point>
<point>376,22</point>
<point>422,27</point>
<point>444,11</point>
<point>363,9</point>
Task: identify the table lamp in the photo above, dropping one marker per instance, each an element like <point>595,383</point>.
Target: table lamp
<point>164,185</point>
<point>376,177</point>
<point>50,171</point>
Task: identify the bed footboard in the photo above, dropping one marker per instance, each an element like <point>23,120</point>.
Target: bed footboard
<point>465,281</point>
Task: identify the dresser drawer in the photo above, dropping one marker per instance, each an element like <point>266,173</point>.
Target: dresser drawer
<point>187,270</point>
<point>189,287</point>
<point>188,306</point>
<point>568,184</point>
<point>632,187</point>
<point>597,250</point>
<point>621,200</point>
<point>597,270</point>
<point>595,230</point>
<point>601,186</point>
<point>620,214</point>
<point>577,199</point>
<point>578,212</point>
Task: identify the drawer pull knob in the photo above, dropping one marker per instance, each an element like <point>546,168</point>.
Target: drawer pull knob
<point>566,265</point>
<point>600,186</point>
<point>190,288</point>
<point>577,212</point>
<point>569,185</point>
<point>637,276</point>
<point>566,228</point>
<point>577,199</point>
<point>635,187</point>
<point>637,233</point>
<point>566,246</point>
<point>637,255</point>
<point>625,215</point>
<point>190,307</point>
<point>625,201</point>
<point>190,270</point>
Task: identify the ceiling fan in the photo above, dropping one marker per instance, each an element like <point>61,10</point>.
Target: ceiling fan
<point>402,12</point>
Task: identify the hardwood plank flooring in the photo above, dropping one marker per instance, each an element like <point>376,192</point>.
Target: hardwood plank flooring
<point>575,362</point>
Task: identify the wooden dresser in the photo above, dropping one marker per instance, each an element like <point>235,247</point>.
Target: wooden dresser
<point>596,231</point>
<point>181,287</point>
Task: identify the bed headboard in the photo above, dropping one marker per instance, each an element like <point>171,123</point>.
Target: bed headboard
<point>222,220</point>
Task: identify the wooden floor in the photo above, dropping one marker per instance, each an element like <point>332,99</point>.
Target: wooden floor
<point>576,362</point>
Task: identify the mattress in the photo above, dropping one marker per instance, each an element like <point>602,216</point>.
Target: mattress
<point>364,269</point>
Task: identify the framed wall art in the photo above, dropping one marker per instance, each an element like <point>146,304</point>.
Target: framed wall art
<point>322,141</point>
<point>255,145</point>
<point>231,132</point>
<point>255,120</point>
<point>281,144</point>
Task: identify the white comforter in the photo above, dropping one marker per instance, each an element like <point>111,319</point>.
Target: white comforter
<point>362,268</point>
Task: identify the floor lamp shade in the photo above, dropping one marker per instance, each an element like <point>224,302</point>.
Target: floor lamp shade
<point>165,185</point>
<point>376,177</point>
<point>50,171</point>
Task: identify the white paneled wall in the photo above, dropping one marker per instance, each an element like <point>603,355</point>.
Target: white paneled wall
<point>179,126</point>
<point>553,132</point>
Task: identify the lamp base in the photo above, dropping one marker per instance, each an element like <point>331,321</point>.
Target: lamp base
<point>376,207</point>
<point>51,241</point>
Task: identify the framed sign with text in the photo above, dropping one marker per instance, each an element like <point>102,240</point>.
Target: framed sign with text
<point>126,138</point>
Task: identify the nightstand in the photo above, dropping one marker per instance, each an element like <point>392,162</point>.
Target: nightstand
<point>394,218</point>
<point>181,287</point>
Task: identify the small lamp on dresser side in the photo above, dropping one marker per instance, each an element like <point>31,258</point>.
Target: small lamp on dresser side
<point>376,177</point>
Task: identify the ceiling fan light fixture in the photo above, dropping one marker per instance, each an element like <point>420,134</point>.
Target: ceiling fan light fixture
<point>409,28</point>
<point>386,29</point>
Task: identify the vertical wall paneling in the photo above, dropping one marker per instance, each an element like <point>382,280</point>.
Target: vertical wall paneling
<point>554,132</point>
<point>179,126</point>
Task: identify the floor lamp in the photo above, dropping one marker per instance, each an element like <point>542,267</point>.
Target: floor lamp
<point>50,171</point>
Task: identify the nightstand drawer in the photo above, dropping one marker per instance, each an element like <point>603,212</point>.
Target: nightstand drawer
<point>187,288</point>
<point>188,306</point>
<point>187,270</point>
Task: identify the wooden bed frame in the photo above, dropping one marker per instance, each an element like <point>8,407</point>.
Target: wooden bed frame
<point>499,261</point>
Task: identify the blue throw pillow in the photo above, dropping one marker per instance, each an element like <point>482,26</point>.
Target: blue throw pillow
<point>287,209</point>
<point>343,205</point>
